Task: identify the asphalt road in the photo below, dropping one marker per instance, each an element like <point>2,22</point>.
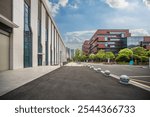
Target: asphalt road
<point>75,83</point>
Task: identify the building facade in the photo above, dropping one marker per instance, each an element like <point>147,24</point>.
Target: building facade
<point>109,40</point>
<point>86,47</point>
<point>70,53</point>
<point>29,36</point>
<point>143,41</point>
<point>114,40</point>
<point>146,42</point>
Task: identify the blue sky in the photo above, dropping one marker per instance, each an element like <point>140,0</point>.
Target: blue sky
<point>77,20</point>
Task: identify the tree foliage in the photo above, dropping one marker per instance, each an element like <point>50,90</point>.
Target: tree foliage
<point>92,56</point>
<point>126,51</point>
<point>148,53</point>
<point>122,58</point>
<point>138,54</point>
<point>101,54</point>
<point>124,55</point>
<point>78,53</point>
<point>140,51</point>
<point>109,55</point>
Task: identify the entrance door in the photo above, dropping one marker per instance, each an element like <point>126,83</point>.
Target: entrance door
<point>4,52</point>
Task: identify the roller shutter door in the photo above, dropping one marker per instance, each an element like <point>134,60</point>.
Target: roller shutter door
<point>4,51</point>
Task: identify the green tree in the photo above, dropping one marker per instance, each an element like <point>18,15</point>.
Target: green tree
<point>124,55</point>
<point>139,54</point>
<point>122,58</point>
<point>144,59</point>
<point>101,55</point>
<point>83,57</point>
<point>77,56</point>
<point>109,55</point>
<point>140,51</point>
<point>92,56</point>
<point>126,51</point>
<point>148,53</point>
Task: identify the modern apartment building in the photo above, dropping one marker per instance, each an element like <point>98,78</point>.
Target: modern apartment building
<point>29,36</point>
<point>113,40</point>
<point>86,47</point>
<point>109,40</point>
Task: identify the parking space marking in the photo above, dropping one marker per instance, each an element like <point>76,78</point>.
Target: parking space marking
<point>140,80</point>
<point>140,85</point>
<point>140,76</point>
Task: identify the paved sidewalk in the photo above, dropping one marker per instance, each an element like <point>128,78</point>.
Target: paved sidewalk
<point>74,64</point>
<point>11,79</point>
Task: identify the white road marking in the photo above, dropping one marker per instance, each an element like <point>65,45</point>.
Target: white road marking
<point>139,76</point>
<point>141,81</point>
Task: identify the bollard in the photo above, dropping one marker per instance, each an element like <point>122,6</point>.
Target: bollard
<point>107,72</point>
<point>99,69</point>
<point>124,79</point>
<point>95,69</point>
<point>92,67</point>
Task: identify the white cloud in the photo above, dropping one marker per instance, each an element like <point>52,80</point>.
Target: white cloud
<point>63,3</point>
<point>120,4</point>
<point>147,3</point>
<point>54,7</point>
<point>75,39</point>
<point>122,20</point>
<point>74,6</point>
<point>139,32</point>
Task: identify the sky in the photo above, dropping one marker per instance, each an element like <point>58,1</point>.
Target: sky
<point>77,20</point>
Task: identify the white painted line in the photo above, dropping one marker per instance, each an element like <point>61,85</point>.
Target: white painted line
<point>145,87</point>
<point>140,81</point>
<point>139,76</point>
<point>115,76</point>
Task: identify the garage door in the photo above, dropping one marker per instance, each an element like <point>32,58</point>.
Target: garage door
<point>4,52</point>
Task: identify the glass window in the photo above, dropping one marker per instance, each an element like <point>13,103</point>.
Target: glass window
<point>114,39</point>
<point>27,37</point>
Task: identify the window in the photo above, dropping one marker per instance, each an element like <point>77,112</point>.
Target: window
<point>27,37</point>
<point>114,39</point>
<point>39,35</point>
<point>106,39</point>
<point>46,40</point>
<point>122,35</point>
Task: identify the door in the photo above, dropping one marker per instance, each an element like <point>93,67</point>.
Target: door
<point>4,52</point>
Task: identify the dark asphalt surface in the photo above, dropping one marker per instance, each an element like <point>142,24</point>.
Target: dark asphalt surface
<point>127,70</point>
<point>76,83</point>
